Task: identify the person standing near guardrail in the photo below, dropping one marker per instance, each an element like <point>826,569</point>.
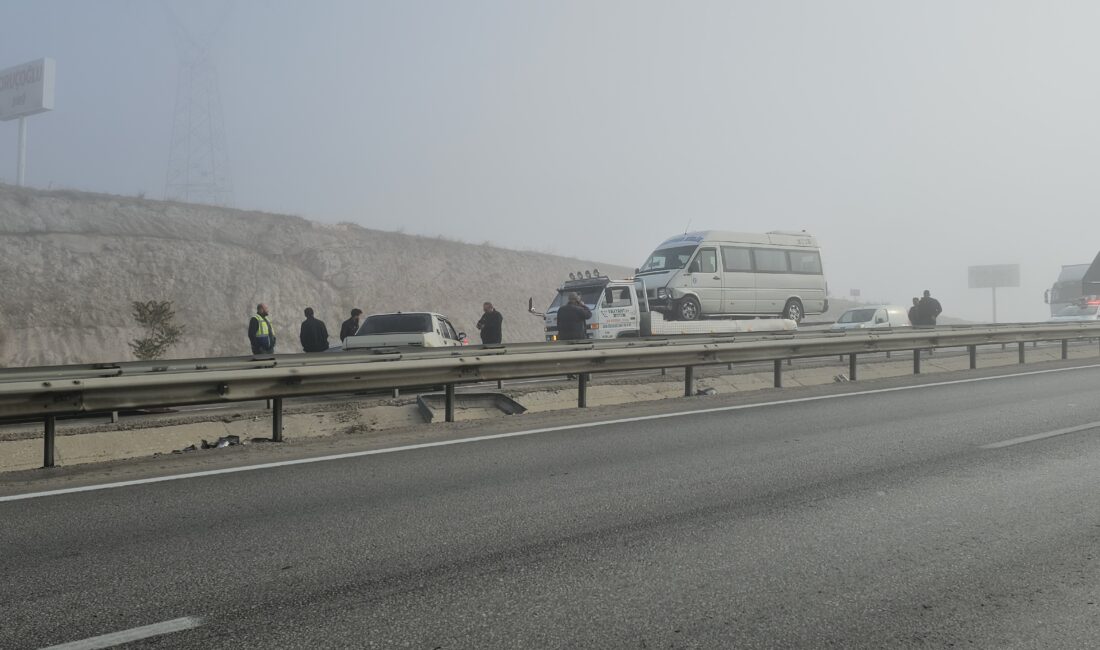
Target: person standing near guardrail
<point>928,309</point>
<point>914,312</point>
<point>260,333</point>
<point>572,317</point>
<point>314,334</point>
<point>351,325</point>
<point>490,325</point>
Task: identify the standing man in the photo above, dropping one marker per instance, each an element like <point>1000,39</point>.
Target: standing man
<point>490,325</point>
<point>914,312</point>
<point>351,325</point>
<point>314,334</point>
<point>928,309</point>
<point>571,319</point>
<point>260,333</point>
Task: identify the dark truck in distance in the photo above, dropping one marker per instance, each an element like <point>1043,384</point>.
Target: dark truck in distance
<point>1067,289</point>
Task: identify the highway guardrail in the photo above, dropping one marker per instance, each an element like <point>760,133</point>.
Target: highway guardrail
<point>47,393</point>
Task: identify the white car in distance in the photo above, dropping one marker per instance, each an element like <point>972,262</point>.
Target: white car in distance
<point>872,317</point>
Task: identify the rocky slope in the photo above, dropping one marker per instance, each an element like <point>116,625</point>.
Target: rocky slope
<point>72,263</point>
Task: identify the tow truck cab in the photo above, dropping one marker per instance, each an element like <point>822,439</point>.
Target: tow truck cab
<point>615,306</point>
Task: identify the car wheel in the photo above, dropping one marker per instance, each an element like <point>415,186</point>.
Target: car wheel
<point>793,310</point>
<point>688,309</point>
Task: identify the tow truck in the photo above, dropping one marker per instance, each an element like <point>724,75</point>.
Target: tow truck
<point>620,309</point>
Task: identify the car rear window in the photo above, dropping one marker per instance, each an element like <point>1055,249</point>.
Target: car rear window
<point>857,316</point>
<point>396,324</point>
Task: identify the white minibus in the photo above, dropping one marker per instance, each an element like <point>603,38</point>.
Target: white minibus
<point>725,274</point>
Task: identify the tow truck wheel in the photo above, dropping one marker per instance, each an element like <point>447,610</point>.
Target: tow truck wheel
<point>793,310</point>
<point>688,309</point>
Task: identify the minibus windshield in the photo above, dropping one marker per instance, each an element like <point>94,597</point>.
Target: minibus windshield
<point>664,259</point>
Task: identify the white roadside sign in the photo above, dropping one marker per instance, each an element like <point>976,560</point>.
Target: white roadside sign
<point>27,89</point>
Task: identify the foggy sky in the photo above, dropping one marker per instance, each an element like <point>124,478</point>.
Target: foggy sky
<point>912,138</point>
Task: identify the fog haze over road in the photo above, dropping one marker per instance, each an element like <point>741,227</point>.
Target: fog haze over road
<point>912,139</point>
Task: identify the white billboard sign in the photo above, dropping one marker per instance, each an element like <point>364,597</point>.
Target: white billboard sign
<point>994,276</point>
<point>26,89</point>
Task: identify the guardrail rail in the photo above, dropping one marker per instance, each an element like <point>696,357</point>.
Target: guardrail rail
<point>48,392</point>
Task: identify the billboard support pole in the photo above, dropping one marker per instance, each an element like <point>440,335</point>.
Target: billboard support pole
<point>21,156</point>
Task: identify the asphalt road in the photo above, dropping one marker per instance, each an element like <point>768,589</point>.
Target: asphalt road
<point>874,520</point>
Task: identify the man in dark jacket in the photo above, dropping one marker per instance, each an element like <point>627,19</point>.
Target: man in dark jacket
<point>571,319</point>
<point>914,312</point>
<point>351,325</point>
<point>314,334</point>
<point>490,324</point>
<point>928,309</point>
<point>260,333</point>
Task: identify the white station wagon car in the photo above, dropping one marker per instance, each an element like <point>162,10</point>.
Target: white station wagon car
<point>873,316</point>
<point>405,330</point>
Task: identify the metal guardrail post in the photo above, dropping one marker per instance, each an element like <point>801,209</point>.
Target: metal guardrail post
<point>1065,349</point>
<point>396,393</point>
<point>916,361</point>
<point>48,446</point>
<point>500,384</point>
<point>582,390</point>
<point>689,381</point>
<point>449,396</point>
<point>1022,353</point>
<point>277,419</point>
<point>972,350</point>
<point>778,372</point>
<point>851,367</point>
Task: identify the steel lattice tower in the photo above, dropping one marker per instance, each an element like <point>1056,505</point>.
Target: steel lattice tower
<point>198,163</point>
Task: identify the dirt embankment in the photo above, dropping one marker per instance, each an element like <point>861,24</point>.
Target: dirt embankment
<point>72,263</point>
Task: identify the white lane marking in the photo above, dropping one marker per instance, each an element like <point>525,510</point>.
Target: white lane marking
<point>1040,436</point>
<point>133,634</point>
<point>529,432</point>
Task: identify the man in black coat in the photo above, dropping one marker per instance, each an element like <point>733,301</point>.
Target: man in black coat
<point>351,325</point>
<point>571,319</point>
<point>490,325</point>
<point>928,309</point>
<point>914,312</point>
<point>314,334</point>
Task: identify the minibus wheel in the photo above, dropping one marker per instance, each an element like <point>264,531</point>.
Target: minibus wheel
<point>793,310</point>
<point>688,308</point>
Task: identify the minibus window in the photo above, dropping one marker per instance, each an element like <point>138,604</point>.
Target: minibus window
<point>736,259</point>
<point>770,261</point>
<point>706,262</point>
<point>805,262</point>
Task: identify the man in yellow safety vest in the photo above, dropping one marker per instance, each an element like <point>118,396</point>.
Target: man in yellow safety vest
<point>260,332</point>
